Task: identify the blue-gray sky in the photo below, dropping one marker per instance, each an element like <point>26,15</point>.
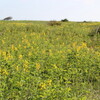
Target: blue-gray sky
<point>73,10</point>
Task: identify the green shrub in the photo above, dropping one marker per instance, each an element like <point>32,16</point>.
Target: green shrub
<point>64,20</point>
<point>52,23</point>
<point>95,31</point>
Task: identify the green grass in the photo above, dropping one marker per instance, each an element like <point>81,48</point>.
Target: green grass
<point>42,62</point>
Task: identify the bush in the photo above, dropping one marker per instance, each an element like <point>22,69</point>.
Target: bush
<point>7,18</point>
<point>52,23</point>
<point>84,21</point>
<point>95,31</point>
<point>64,20</point>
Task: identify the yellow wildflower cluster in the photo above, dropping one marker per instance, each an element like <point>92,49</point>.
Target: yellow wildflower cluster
<point>26,66</point>
<point>42,86</point>
<point>43,51</point>
<point>17,68</point>
<point>31,34</point>
<point>20,84</point>
<point>74,45</point>
<point>20,56</point>
<point>49,82</point>
<point>78,48</point>
<point>30,54</point>
<point>50,52</point>
<point>6,55</point>
<point>82,46</point>
<point>37,66</point>
<point>55,66</point>
<point>13,47</point>
<point>19,46</point>
<point>45,85</point>
<point>3,42</point>
<point>26,41</point>
<point>4,71</point>
<point>68,89</point>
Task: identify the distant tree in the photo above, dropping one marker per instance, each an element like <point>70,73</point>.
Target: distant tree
<point>64,20</point>
<point>7,18</point>
<point>84,21</point>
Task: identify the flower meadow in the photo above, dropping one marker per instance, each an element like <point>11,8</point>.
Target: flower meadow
<point>42,62</point>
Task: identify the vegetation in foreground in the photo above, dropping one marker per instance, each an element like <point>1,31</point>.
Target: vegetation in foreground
<point>42,62</point>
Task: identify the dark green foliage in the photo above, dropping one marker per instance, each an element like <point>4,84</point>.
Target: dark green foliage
<point>84,21</point>
<point>53,23</point>
<point>64,20</point>
<point>95,31</point>
<point>7,18</point>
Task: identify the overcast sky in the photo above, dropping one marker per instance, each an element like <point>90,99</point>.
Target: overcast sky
<point>73,10</point>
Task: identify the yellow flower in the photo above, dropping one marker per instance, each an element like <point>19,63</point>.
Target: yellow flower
<point>69,50</point>
<point>63,43</point>
<point>49,82</point>
<point>26,62</point>
<point>74,44</point>
<point>19,45</point>
<point>60,51</point>
<point>33,42</point>
<point>28,44</point>
<point>37,66</point>
<point>9,56</point>
<point>84,45</point>
<point>25,66</point>
<point>3,42</point>
<point>17,68</point>
<point>26,70</point>
<point>57,38</point>
<point>24,36</point>
<point>44,34</point>
<point>20,56</point>
<point>98,53</point>
<point>12,47</point>
<point>4,53</point>
<point>19,83</point>
<point>43,52</point>
<point>68,89</point>
<point>42,86</point>
<point>32,47</point>
<point>30,53</point>
<point>78,48</point>
<point>50,52</point>
<point>4,71</point>
<point>24,46</point>
<point>16,48</point>
<point>55,66</point>
<point>32,34</point>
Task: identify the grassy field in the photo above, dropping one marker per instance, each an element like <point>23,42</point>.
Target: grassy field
<point>42,62</point>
